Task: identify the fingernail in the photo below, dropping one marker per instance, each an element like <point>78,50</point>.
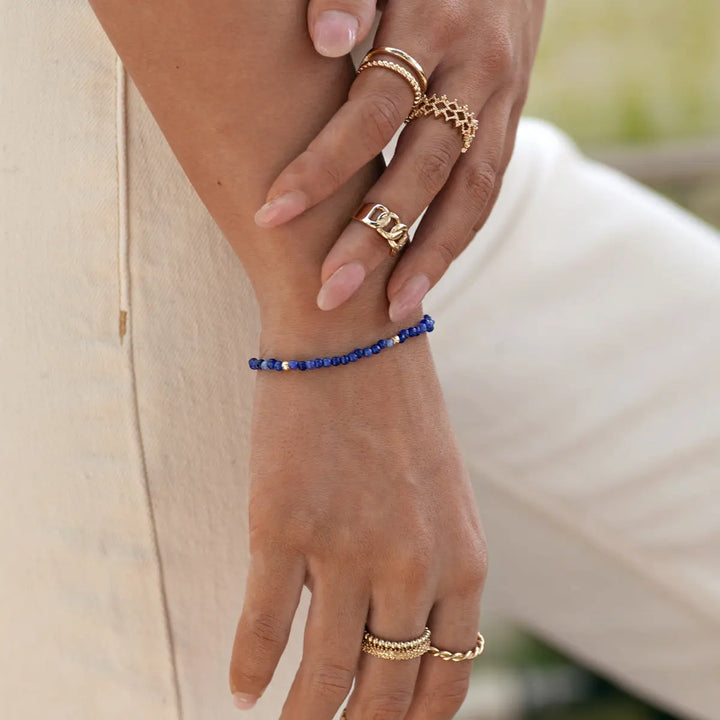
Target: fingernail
<point>409,296</point>
<point>335,32</point>
<point>243,701</point>
<point>281,209</point>
<point>340,285</point>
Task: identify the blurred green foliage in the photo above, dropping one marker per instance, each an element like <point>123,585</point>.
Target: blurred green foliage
<point>629,71</point>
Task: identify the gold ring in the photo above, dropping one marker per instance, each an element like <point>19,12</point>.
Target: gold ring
<point>386,223</point>
<point>417,90</point>
<point>392,650</point>
<point>460,656</point>
<point>451,111</point>
<point>409,59</point>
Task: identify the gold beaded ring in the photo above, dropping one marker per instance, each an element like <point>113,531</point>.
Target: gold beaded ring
<point>396,650</point>
<point>409,59</point>
<point>417,90</point>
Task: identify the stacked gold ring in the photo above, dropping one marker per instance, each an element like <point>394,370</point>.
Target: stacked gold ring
<point>409,59</point>
<point>414,84</point>
<point>393,650</point>
<point>452,111</point>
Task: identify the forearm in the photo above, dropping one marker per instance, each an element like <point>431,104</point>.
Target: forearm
<point>238,90</point>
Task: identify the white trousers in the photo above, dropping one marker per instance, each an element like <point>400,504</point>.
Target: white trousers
<point>578,343</point>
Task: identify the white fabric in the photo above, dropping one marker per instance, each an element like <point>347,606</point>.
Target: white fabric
<point>578,346</point>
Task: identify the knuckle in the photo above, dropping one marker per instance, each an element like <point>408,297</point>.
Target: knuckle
<point>383,116</point>
<point>330,680</point>
<point>390,705</point>
<point>498,59</point>
<point>445,699</point>
<point>470,573</point>
<point>444,248</point>
<point>248,677</point>
<point>323,169</point>
<point>480,181</point>
<point>265,631</point>
<point>433,167</point>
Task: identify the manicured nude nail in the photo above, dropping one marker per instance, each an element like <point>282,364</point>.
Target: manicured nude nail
<point>409,296</point>
<point>243,701</point>
<point>340,285</point>
<point>334,33</point>
<point>281,209</point>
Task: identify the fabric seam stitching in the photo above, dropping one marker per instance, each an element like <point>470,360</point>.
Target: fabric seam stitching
<point>123,258</point>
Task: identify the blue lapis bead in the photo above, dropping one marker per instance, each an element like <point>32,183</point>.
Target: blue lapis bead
<point>293,364</point>
<point>383,343</point>
<point>422,327</point>
<point>335,360</point>
<point>367,352</point>
<point>358,353</point>
<point>352,357</point>
<point>403,335</point>
<point>278,365</point>
<point>344,360</point>
<point>302,365</point>
<point>271,363</point>
<point>327,362</point>
<point>318,362</point>
<point>375,349</point>
<point>412,332</point>
<point>310,364</point>
<point>264,365</point>
<point>430,325</point>
<point>252,363</point>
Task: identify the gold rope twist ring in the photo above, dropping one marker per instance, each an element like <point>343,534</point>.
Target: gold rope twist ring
<point>460,656</point>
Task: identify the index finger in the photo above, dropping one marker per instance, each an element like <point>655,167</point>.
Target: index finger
<point>378,103</point>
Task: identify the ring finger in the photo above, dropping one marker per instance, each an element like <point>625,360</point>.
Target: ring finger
<point>458,210</point>
<point>443,684</point>
<point>426,153</point>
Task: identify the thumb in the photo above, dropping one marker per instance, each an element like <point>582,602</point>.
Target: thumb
<point>336,26</point>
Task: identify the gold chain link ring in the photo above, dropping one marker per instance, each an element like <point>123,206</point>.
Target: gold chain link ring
<point>386,223</point>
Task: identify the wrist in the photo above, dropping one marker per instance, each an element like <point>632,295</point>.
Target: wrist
<point>297,328</point>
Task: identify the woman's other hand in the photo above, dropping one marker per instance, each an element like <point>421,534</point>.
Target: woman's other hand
<point>358,491</point>
<point>478,52</point>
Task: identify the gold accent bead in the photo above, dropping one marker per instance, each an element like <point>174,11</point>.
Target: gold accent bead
<point>285,365</point>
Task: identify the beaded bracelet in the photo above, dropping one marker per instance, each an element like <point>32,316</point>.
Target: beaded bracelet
<point>427,324</point>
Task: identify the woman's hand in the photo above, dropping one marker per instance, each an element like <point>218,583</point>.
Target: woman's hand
<point>478,52</point>
<point>358,491</point>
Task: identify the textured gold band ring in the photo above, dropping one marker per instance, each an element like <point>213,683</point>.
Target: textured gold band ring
<point>417,90</point>
<point>405,57</point>
<point>460,656</point>
<point>386,223</point>
<point>451,111</point>
<point>396,650</point>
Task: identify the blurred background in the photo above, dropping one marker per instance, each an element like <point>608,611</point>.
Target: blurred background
<point>636,83</point>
